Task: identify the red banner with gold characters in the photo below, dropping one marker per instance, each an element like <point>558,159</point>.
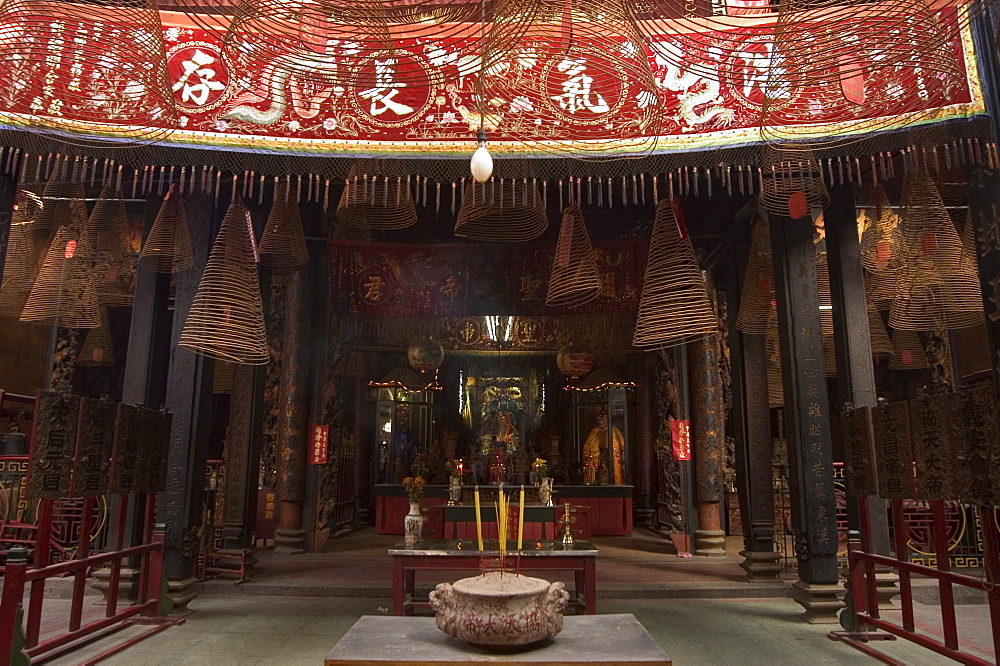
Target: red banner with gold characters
<point>680,435</point>
<point>396,280</point>
<point>319,436</point>
<point>423,99</point>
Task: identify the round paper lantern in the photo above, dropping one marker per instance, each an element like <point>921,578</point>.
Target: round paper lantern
<point>575,360</point>
<point>425,354</point>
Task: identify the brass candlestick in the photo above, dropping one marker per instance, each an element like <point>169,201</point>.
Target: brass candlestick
<point>567,521</point>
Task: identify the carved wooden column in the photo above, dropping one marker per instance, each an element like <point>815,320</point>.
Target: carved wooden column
<point>645,457</point>
<point>189,399</point>
<point>807,422</point>
<point>708,442</point>
<point>293,422</point>
<point>363,484</point>
<point>855,371</point>
<point>242,459</point>
<point>8,188</point>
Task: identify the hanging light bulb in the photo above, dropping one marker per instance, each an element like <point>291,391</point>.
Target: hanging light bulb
<point>482,161</point>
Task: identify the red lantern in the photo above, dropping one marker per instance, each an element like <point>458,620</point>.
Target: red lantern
<point>575,360</point>
<point>425,355</point>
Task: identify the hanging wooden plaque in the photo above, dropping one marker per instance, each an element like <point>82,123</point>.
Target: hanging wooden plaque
<point>50,473</point>
<point>92,465</point>
<point>125,461</point>
<point>859,448</point>
<point>933,423</point>
<point>893,456</point>
<point>158,424</point>
<point>972,447</point>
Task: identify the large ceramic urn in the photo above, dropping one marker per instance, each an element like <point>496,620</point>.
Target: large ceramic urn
<point>500,610</point>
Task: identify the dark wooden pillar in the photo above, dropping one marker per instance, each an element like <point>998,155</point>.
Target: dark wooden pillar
<point>852,339</point>
<point>363,447</point>
<point>189,399</point>
<point>645,457</point>
<point>242,457</point>
<point>807,423</point>
<point>8,189</point>
<point>293,422</point>
<point>707,443</point>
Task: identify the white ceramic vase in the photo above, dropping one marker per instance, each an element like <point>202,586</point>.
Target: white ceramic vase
<point>413,524</point>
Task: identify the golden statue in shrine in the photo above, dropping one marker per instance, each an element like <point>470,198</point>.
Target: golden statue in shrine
<point>595,452</point>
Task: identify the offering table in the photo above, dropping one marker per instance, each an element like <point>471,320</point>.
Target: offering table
<point>463,555</point>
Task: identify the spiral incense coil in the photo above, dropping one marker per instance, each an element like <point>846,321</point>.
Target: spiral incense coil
<point>168,247</point>
<point>790,183</point>
<point>110,248</point>
<point>97,349</point>
<point>226,319</point>
<point>674,307</point>
<point>222,376</point>
<point>574,279</point>
<point>880,342</point>
<point>119,76</point>
<point>757,299</point>
<point>283,243</point>
<point>21,266</point>
<point>881,251</point>
<point>935,288</point>
<point>829,356</point>
<point>63,293</point>
<point>56,208</point>
<point>506,210</point>
<point>908,352</point>
<point>377,202</point>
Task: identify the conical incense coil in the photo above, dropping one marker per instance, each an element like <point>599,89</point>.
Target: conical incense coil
<point>226,319</point>
<point>790,184</point>
<point>56,207</point>
<point>168,247</point>
<point>574,279</point>
<point>283,243</point>
<point>757,298</point>
<point>908,352</point>
<point>674,307</point>
<point>880,343</point>
<point>506,210</point>
<point>63,293</point>
<point>881,242</point>
<point>377,202</point>
<point>21,266</point>
<point>97,349</point>
<point>110,248</point>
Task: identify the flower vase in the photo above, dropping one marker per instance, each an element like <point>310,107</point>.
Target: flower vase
<point>413,524</point>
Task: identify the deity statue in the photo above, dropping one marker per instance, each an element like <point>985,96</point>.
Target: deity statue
<point>595,451</point>
<point>501,413</point>
<point>499,463</point>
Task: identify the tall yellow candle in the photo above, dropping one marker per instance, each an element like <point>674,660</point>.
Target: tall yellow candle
<point>479,521</point>
<point>520,521</point>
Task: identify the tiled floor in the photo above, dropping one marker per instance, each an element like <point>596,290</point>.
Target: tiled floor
<point>296,609</point>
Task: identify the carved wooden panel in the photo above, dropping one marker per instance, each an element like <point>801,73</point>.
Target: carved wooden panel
<point>51,469</point>
<point>972,448</point>
<point>93,447</point>
<point>893,455</point>
<point>934,420</point>
<point>859,450</point>
<point>125,471</point>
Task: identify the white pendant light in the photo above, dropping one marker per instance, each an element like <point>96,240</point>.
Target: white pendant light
<point>482,162</point>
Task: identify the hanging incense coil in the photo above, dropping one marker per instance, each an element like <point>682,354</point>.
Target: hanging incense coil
<point>506,210</point>
<point>935,289</point>
<point>111,248</point>
<point>674,307</point>
<point>574,279</point>
<point>97,349</point>
<point>283,243</point>
<point>377,202</point>
<point>791,183</point>
<point>757,298</point>
<point>880,343</point>
<point>63,293</point>
<point>829,356</point>
<point>55,206</point>
<point>21,266</point>
<point>226,319</point>
<point>168,247</point>
<point>222,377</point>
<point>908,352</point>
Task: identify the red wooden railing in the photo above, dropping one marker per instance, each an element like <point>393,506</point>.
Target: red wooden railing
<point>19,576</point>
<point>865,598</point>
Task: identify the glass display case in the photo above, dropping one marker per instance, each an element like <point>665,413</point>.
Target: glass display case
<point>602,428</point>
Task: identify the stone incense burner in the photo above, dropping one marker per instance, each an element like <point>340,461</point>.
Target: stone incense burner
<point>497,610</point>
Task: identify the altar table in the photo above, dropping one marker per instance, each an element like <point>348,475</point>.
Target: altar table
<point>463,555</point>
<point>589,640</point>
